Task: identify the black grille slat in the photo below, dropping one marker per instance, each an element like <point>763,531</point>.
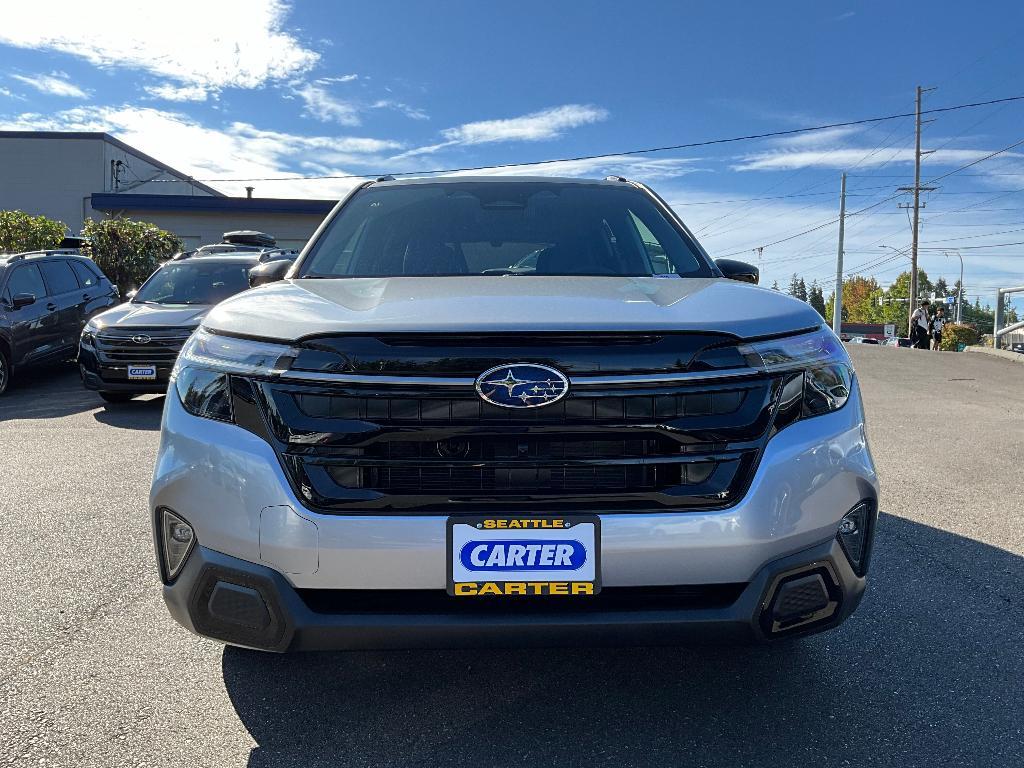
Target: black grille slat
<point>118,347</point>
<point>411,447</point>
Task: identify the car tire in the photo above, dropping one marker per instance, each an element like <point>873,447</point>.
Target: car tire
<point>117,397</point>
<point>5,371</point>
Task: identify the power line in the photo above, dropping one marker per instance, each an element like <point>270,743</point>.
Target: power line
<point>885,200</point>
<point>644,151</point>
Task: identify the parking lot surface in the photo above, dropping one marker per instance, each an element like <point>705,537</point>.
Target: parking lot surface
<point>929,671</point>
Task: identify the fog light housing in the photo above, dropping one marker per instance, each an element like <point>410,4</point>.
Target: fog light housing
<point>177,538</point>
<point>854,536</point>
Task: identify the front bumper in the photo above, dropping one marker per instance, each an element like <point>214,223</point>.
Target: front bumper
<point>110,377</point>
<point>251,605</point>
<point>254,532</point>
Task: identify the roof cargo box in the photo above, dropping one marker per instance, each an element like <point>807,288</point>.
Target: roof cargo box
<point>250,237</point>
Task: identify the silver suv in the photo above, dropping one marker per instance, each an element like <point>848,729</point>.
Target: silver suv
<point>503,412</point>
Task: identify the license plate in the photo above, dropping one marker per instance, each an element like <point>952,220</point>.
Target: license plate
<point>141,372</point>
<point>520,556</point>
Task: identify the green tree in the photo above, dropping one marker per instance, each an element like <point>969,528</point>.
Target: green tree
<point>20,231</point>
<point>816,298</point>
<point>775,285</point>
<point>128,251</point>
<point>794,285</point>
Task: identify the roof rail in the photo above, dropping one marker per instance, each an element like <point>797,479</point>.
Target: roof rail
<point>616,178</point>
<point>182,255</point>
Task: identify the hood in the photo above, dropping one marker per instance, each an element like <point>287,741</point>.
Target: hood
<point>292,309</point>
<point>130,315</point>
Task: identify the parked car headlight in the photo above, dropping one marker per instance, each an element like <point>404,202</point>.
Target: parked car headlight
<point>202,373</point>
<point>822,374</point>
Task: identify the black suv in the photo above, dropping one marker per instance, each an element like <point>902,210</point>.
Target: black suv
<point>46,297</point>
<point>130,349</point>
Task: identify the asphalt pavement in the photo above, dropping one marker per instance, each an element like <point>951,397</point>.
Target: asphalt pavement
<point>929,671</point>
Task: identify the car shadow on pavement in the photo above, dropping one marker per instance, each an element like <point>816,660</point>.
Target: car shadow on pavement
<point>927,672</point>
<point>134,414</point>
<point>46,392</point>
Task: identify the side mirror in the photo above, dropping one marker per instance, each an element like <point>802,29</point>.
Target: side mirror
<point>22,300</point>
<point>131,294</point>
<point>739,270</point>
<point>269,272</point>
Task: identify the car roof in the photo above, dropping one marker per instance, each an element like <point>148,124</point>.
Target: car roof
<point>9,258</point>
<point>225,258</point>
<point>609,181</point>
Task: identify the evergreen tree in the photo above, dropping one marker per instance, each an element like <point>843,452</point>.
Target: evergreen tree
<point>816,298</point>
<point>801,290</point>
<point>794,285</point>
<point>775,285</point>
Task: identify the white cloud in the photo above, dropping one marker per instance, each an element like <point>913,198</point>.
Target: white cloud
<point>845,157</point>
<point>414,113</point>
<point>53,84</point>
<point>638,168</point>
<point>338,79</point>
<point>321,105</point>
<point>170,92</point>
<point>237,150</point>
<point>11,94</point>
<point>536,126</point>
<point>213,45</point>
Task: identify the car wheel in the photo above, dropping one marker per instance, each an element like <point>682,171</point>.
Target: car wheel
<point>5,371</point>
<point>117,397</point>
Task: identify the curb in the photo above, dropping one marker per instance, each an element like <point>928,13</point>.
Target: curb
<point>1016,357</point>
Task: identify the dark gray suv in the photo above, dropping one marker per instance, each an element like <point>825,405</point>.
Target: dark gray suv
<point>46,298</point>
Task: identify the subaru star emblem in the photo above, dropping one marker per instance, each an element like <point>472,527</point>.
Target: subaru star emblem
<point>522,385</point>
<point>141,338</point>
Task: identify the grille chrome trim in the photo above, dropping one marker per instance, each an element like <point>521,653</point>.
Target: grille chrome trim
<point>575,381</point>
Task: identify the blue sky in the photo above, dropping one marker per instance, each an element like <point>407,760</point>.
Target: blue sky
<point>257,88</point>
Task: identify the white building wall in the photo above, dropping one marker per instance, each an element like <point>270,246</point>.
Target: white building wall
<point>52,177</point>
<point>56,176</point>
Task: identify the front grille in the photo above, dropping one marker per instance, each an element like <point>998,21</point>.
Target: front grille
<point>352,449</point>
<point>615,443</point>
<point>140,345</point>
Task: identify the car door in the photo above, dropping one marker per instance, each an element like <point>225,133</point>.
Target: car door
<point>97,293</point>
<point>64,292</point>
<point>35,330</point>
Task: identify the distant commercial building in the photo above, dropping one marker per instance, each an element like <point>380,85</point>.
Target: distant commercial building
<point>75,175</point>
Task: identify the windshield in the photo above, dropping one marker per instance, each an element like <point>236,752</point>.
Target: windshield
<point>503,228</point>
<point>194,282</point>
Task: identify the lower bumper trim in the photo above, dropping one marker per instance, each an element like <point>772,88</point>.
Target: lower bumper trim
<point>298,620</point>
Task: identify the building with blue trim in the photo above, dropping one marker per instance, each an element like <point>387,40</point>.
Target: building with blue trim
<point>74,175</point>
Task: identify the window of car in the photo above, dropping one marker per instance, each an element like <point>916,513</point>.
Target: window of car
<point>503,228</point>
<point>25,279</point>
<point>59,277</point>
<point>195,282</point>
<point>86,277</point>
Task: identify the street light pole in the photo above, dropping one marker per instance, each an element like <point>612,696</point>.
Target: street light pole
<point>960,290</point>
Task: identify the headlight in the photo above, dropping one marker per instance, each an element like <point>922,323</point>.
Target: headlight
<point>821,346</point>
<point>89,333</point>
<point>202,372</point>
<point>821,378</point>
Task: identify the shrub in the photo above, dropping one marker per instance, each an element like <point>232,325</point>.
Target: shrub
<point>20,231</point>
<point>954,334</point>
<point>128,251</point>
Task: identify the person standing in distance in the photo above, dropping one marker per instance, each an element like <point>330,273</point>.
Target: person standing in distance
<point>937,324</point>
<point>919,322</point>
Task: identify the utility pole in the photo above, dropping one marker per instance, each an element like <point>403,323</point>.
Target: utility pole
<point>837,304</point>
<point>917,190</point>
